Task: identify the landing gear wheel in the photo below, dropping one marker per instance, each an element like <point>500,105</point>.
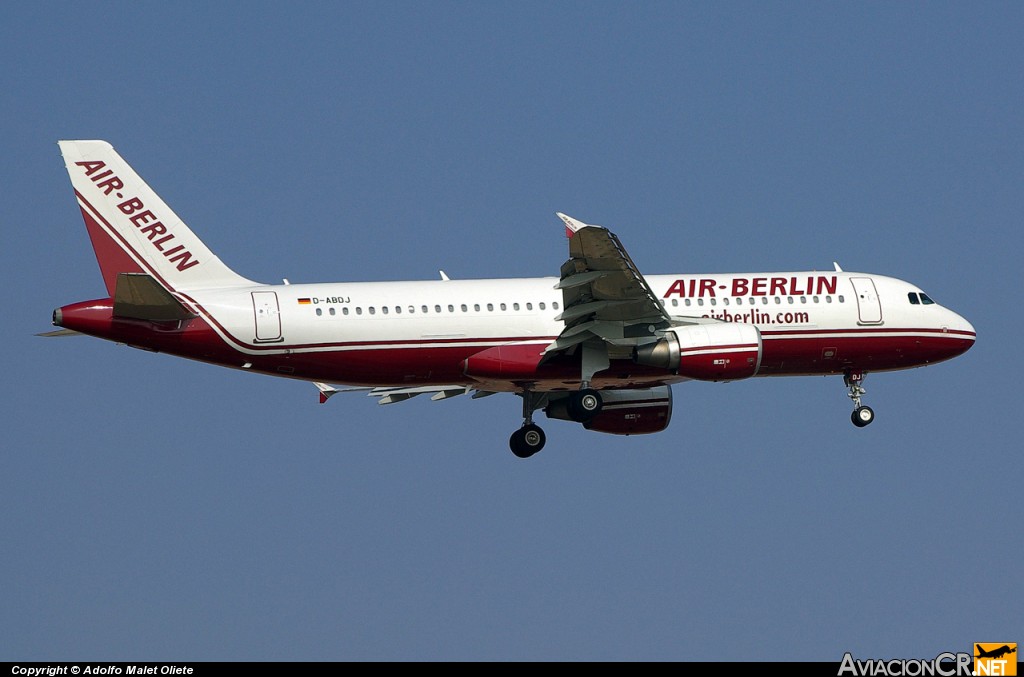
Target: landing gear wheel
<point>527,441</point>
<point>584,405</point>
<point>862,416</point>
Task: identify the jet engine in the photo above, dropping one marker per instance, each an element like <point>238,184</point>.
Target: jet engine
<point>721,351</point>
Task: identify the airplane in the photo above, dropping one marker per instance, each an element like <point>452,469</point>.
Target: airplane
<point>601,344</point>
<point>995,653</point>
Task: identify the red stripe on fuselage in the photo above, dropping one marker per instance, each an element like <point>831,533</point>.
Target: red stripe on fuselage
<point>426,363</point>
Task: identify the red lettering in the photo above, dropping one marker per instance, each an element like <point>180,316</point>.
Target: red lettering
<point>793,289</point>
<point>826,285</point>
<point>110,185</point>
<point>91,166</point>
<point>145,217</point>
<point>159,243</point>
<point>778,286</point>
<point>153,230</point>
<point>676,288</point>
<point>184,259</point>
<point>759,283</point>
<point>740,286</point>
<point>707,286</point>
<point>100,176</point>
<point>130,206</point>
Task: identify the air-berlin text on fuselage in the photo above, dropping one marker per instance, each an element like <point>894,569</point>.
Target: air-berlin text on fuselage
<point>142,218</point>
<point>753,286</point>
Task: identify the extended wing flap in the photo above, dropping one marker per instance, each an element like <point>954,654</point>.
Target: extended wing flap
<point>400,394</point>
<point>603,292</point>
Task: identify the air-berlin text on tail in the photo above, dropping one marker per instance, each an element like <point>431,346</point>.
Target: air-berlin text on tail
<point>142,218</point>
<point>752,286</point>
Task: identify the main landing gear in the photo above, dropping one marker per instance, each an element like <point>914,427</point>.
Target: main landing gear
<point>862,414</point>
<point>529,439</point>
<point>582,406</point>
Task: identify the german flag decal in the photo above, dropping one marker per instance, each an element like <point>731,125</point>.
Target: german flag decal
<point>304,302</point>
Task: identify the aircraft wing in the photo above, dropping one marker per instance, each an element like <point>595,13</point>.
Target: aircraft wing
<point>605,299</point>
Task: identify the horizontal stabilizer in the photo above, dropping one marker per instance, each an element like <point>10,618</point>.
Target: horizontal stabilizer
<point>59,333</point>
<point>325,391</point>
<point>140,297</point>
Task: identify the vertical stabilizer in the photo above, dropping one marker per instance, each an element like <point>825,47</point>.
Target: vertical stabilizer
<point>132,229</point>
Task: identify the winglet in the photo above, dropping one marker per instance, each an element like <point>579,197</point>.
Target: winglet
<point>572,225</point>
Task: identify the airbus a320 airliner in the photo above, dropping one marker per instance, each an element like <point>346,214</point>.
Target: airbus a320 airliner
<point>601,344</point>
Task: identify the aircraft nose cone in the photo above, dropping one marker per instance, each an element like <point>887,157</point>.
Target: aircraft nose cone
<point>966,327</point>
<point>964,332</point>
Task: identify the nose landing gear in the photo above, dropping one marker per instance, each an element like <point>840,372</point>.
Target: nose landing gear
<point>862,414</point>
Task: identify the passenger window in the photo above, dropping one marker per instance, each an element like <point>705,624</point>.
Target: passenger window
<point>803,299</point>
<point>555,305</point>
<point>542,306</point>
<point>504,307</point>
<point>344,311</point>
<point>778,300</point>
<point>913,299</point>
<point>828,299</point>
<point>515,306</point>
<point>384,310</point>
<point>841,299</point>
<point>319,312</point>
<point>688,302</point>
<point>790,299</point>
<point>464,308</point>
<point>373,311</point>
<point>476,307</point>
<point>451,308</point>
<point>529,306</point>
<point>490,307</point>
<point>752,299</point>
<point>359,310</point>
<point>815,299</point>
<point>739,302</point>
<point>331,311</point>
<point>725,301</point>
<point>675,303</point>
<point>437,309</point>
<point>764,300</point>
<point>700,302</point>
<point>714,301</point>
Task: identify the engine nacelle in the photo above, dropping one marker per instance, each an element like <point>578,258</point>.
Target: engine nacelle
<point>625,412</point>
<point>721,351</point>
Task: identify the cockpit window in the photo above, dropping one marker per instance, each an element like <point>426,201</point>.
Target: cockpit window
<point>913,298</point>
<point>925,300</point>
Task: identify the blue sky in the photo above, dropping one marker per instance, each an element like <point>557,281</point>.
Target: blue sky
<point>160,509</point>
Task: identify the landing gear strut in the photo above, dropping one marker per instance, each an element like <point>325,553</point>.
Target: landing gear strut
<point>529,439</point>
<point>862,414</point>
